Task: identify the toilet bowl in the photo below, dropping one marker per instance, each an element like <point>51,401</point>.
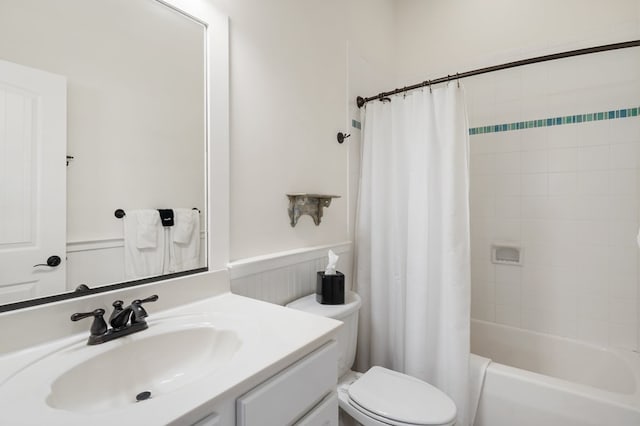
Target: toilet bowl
<point>379,397</point>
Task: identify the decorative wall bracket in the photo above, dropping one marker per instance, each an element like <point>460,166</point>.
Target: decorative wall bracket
<point>311,204</point>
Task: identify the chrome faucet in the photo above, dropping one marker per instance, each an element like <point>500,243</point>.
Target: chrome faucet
<point>124,321</point>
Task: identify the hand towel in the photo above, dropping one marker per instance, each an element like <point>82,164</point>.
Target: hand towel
<point>146,222</point>
<point>144,244</point>
<point>184,237</point>
<point>477,369</point>
<point>185,222</point>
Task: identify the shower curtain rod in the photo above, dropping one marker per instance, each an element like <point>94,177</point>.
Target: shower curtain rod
<point>623,45</point>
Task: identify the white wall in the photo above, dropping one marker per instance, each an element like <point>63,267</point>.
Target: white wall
<point>289,97</point>
<point>568,194</point>
<point>440,37</point>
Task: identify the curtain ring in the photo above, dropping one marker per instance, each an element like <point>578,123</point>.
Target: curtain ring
<point>430,91</point>
<point>458,79</point>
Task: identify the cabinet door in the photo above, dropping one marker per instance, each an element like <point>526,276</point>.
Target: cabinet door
<point>323,414</point>
<point>290,394</point>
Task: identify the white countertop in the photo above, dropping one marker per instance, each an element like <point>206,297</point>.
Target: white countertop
<point>273,337</point>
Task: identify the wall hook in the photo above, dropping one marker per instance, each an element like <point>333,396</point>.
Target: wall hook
<point>341,137</point>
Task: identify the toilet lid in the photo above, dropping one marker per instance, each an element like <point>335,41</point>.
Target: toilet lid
<point>402,398</point>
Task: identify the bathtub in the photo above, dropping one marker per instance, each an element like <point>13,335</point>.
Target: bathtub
<point>537,379</point>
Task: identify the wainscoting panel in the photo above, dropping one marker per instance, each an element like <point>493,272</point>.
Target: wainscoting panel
<point>283,277</point>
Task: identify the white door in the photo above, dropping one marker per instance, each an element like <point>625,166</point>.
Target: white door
<point>33,139</point>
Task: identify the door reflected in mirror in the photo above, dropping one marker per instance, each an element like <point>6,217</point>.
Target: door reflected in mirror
<point>102,107</point>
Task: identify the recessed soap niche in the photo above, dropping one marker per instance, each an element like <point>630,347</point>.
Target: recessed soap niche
<point>506,254</point>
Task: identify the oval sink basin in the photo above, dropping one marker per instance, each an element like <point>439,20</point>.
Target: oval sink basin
<point>157,364</point>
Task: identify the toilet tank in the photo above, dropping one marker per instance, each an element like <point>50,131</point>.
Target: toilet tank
<point>347,334</point>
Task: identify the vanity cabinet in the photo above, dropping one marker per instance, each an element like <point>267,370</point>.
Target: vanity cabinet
<point>303,393</point>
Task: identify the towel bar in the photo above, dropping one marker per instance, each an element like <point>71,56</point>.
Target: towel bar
<point>119,213</point>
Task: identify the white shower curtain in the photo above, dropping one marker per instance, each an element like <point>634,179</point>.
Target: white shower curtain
<point>412,244</point>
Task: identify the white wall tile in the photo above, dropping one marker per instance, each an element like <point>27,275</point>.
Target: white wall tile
<point>623,336</point>
<point>508,294</point>
<point>483,311</point>
<point>483,270</point>
<point>623,233</point>
<point>507,162</point>
<point>563,160</point>
<point>506,184</point>
<point>623,262</point>
<point>507,207</point>
<point>593,207</point>
<point>593,183</point>
<point>534,184</point>
<point>537,255</point>
<point>623,286</point>
<point>623,310</point>
<point>593,306</point>
<point>593,331</point>
<point>593,232</point>
<point>480,250</point>
<point>506,230</point>
<point>593,157</point>
<point>482,205</point>
<point>624,207</point>
<point>562,207</point>
<point>502,142</point>
<point>479,144</point>
<point>508,315</point>
<point>563,137</point>
<point>483,291</point>
<point>624,156</point>
<point>535,139</point>
<point>534,161</point>
<point>625,130</point>
<point>562,183</point>
<point>482,163</point>
<point>594,133</point>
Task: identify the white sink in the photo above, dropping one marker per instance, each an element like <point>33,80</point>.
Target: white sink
<point>170,355</point>
<point>158,364</point>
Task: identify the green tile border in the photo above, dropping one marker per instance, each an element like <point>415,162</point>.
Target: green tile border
<point>557,121</point>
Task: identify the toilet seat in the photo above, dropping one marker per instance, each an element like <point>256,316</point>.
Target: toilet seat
<point>393,398</point>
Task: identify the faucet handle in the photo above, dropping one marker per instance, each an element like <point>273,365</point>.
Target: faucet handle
<point>147,300</point>
<point>139,313</point>
<point>99,326</point>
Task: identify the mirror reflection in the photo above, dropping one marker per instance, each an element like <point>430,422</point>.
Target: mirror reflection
<point>102,107</point>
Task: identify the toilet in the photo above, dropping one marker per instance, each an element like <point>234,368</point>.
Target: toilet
<point>379,397</point>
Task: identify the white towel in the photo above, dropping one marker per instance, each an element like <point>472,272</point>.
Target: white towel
<point>477,369</point>
<point>147,222</point>
<point>184,237</point>
<point>144,244</point>
<point>184,223</point>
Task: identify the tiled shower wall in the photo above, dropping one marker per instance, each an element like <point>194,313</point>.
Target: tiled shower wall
<point>564,184</point>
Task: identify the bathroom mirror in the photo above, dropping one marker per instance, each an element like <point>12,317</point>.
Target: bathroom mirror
<point>120,88</point>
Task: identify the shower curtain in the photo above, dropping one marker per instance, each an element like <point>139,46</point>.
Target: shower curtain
<point>412,240</point>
